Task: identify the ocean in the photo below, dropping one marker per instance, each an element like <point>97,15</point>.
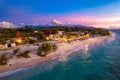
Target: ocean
<point>98,63</point>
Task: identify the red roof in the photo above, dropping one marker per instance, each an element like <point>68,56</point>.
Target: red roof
<point>19,35</point>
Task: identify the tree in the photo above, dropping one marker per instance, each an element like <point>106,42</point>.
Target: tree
<point>2,41</point>
<point>31,41</point>
<point>68,29</point>
<point>41,37</point>
<point>46,48</point>
<point>24,54</point>
<point>101,32</point>
<point>15,51</point>
<point>54,47</point>
<point>3,59</point>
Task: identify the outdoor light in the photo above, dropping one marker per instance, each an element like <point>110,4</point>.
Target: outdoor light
<point>19,40</point>
<point>64,39</point>
<point>87,35</point>
<point>47,38</point>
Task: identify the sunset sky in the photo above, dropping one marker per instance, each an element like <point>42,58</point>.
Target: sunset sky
<point>99,13</point>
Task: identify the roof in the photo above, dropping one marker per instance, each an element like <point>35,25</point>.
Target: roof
<point>49,32</point>
<point>19,35</point>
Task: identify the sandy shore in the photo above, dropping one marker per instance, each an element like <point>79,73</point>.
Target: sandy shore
<point>63,49</point>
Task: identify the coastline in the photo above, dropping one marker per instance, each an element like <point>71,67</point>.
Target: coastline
<point>63,49</point>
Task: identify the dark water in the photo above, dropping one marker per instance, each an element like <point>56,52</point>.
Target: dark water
<point>101,63</point>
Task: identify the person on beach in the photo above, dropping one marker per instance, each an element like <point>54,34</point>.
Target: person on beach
<point>105,41</point>
<point>95,44</point>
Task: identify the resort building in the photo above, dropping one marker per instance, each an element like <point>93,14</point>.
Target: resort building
<point>53,34</point>
<point>19,37</point>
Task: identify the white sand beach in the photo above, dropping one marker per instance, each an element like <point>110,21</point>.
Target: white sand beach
<point>63,49</point>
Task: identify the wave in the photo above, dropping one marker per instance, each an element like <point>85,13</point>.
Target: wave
<point>8,73</point>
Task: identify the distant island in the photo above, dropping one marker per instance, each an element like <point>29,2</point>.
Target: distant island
<point>27,46</point>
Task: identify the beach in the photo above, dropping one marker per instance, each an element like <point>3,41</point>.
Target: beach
<point>63,49</point>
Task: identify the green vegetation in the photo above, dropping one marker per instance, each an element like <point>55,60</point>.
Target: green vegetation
<point>39,53</point>
<point>101,32</point>
<point>25,54</point>
<point>40,36</point>
<point>28,40</point>
<point>28,31</point>
<point>46,48</point>
<point>3,59</point>
<point>31,41</point>
<point>15,51</point>
<point>54,47</point>
<point>2,41</point>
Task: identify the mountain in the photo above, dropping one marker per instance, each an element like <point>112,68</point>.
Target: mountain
<point>59,23</point>
<point>5,24</point>
<point>56,22</point>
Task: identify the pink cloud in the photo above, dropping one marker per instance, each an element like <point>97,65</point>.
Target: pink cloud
<point>81,19</point>
<point>93,20</point>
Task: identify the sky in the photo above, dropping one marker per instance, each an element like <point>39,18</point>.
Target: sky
<point>98,13</point>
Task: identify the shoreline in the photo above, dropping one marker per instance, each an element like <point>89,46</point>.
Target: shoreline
<point>63,50</point>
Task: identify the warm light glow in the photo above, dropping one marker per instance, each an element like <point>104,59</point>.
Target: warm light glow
<point>47,38</point>
<point>64,39</point>
<point>87,35</point>
<point>73,37</point>
<point>19,40</point>
<point>51,36</point>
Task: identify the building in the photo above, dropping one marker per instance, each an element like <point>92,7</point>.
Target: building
<point>19,37</point>
<point>53,34</point>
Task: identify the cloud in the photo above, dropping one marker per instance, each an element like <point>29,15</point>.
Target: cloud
<point>56,22</point>
<point>103,16</point>
<point>53,22</point>
<point>5,24</point>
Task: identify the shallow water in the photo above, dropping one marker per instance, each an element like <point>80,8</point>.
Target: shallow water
<point>100,63</point>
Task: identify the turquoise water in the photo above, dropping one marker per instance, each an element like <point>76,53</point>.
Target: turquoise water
<point>101,63</point>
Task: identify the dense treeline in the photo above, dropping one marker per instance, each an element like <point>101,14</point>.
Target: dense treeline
<point>102,32</point>
<point>28,31</point>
